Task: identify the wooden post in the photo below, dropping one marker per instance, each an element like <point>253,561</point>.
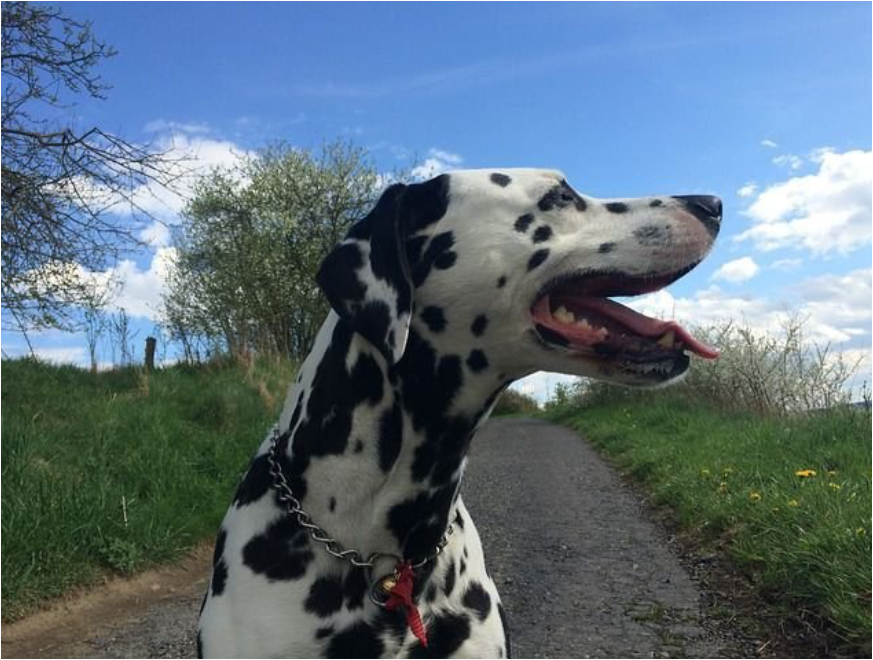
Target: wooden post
<point>151,343</point>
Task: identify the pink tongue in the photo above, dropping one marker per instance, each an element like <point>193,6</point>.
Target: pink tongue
<point>638,323</point>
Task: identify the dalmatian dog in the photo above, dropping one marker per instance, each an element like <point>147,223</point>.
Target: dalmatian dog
<point>447,292</point>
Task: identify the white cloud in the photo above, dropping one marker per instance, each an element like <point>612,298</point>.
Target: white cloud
<point>789,160</point>
<point>437,162</point>
<point>786,264</point>
<point>827,211</point>
<point>188,156</point>
<point>769,144</point>
<point>747,190</point>
<point>837,308</point>
<point>738,270</point>
<point>140,292</point>
<point>164,126</point>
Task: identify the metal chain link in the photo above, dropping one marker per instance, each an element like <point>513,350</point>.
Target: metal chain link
<point>331,545</point>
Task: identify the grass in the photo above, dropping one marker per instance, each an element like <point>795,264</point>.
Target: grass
<point>788,498</point>
<point>119,471</point>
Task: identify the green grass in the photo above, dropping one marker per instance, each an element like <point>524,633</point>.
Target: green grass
<point>83,451</point>
<point>733,479</point>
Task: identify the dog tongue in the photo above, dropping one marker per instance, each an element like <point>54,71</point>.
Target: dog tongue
<point>633,320</point>
<point>648,327</point>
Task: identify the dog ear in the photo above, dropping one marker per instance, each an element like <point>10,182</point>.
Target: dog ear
<point>367,280</point>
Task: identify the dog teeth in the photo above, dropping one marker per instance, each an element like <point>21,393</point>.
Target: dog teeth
<point>667,340</point>
<point>564,315</point>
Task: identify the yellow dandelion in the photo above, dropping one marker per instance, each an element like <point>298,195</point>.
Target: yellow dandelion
<point>754,496</point>
<point>803,474</point>
<point>722,487</point>
<point>834,486</point>
<point>793,503</point>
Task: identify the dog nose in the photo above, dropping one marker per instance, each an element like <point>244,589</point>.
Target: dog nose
<point>705,208</point>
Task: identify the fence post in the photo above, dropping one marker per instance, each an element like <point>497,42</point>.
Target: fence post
<point>151,343</point>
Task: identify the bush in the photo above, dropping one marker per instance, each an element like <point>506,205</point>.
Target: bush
<point>768,374</point>
<point>513,402</point>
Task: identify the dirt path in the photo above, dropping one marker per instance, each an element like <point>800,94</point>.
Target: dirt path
<point>582,570</point>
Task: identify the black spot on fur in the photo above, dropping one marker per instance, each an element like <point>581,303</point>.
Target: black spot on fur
<point>219,570</point>
<point>325,597</point>
<point>367,377</point>
<point>477,361</point>
<point>478,600</point>
<point>390,436</point>
<point>542,234</point>
<point>551,199</point>
<point>479,325</point>
<point>505,622</point>
<point>459,520</point>
<point>501,281</point>
<point>431,593</point>
<point>344,262</point>
<point>355,588</point>
<point>332,504</point>
<point>524,222</point>
<point>617,207</point>
<point>463,568</point>
<point>282,552</point>
<point>439,245</point>
<point>373,321</point>
<point>537,258</point>
<point>419,522</point>
<point>359,446</point>
<point>606,248</point>
<point>449,584</point>
<point>357,641</point>
<point>255,483</point>
<point>446,260</point>
<point>220,540</point>
<point>434,318</point>
<point>561,196</point>
<point>199,645</point>
<point>321,633</point>
<point>655,203</point>
<point>501,180</point>
<point>444,637</point>
<point>425,203</point>
<point>219,578</point>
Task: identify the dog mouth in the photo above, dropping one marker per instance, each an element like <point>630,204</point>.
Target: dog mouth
<point>575,312</point>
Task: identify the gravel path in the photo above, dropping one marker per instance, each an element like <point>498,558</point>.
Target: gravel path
<point>581,569</point>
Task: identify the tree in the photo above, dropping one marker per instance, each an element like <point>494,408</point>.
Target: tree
<point>62,186</point>
<point>250,242</point>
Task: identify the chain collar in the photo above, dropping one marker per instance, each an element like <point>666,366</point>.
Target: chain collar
<point>331,545</point>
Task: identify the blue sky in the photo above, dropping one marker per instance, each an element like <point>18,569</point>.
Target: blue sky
<point>767,105</point>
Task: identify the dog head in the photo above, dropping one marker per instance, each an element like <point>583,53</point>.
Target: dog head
<point>518,265</point>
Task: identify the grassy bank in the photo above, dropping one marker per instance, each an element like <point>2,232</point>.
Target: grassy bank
<point>118,471</point>
<point>787,498</point>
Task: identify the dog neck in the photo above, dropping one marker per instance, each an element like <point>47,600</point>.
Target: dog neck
<point>377,451</point>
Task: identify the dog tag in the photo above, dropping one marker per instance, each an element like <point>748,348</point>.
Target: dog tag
<point>380,592</point>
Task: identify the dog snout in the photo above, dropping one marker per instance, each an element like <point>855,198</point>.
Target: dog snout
<point>705,208</point>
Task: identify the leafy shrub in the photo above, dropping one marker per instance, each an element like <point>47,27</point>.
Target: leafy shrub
<point>513,402</point>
